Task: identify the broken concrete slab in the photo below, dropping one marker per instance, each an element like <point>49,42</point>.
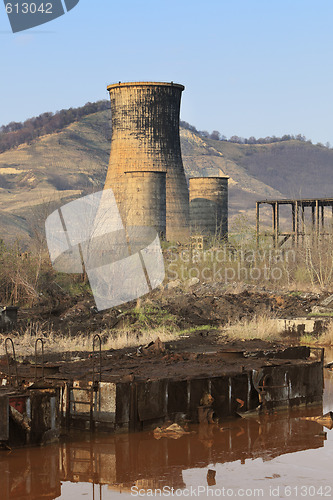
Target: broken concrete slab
<point>325,307</point>
<point>328,302</point>
<point>296,327</point>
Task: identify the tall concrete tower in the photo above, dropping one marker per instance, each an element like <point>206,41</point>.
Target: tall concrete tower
<point>145,138</point>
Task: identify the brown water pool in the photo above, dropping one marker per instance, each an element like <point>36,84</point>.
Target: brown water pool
<point>280,456</point>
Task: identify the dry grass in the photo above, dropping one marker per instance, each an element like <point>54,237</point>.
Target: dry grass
<point>54,343</point>
<point>259,327</point>
<point>265,328</point>
<point>325,339</point>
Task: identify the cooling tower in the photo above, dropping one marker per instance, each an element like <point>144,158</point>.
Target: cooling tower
<point>146,200</point>
<point>145,138</point>
<point>209,205</point>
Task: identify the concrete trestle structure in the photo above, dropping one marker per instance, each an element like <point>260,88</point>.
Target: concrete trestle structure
<point>299,229</point>
<point>145,138</point>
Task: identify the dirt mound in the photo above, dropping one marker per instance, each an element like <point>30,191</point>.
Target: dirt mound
<point>202,304</point>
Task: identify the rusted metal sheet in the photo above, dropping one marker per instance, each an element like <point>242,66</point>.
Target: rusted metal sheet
<point>220,393</point>
<point>123,402</point>
<point>4,418</point>
<point>198,388</point>
<point>289,385</point>
<point>177,397</point>
<point>44,414</point>
<point>19,403</point>
<point>152,400</point>
<point>8,317</point>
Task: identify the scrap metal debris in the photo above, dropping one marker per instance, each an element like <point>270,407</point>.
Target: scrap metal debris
<point>173,431</point>
<point>206,400</point>
<point>325,420</point>
<point>154,347</point>
<point>211,477</point>
<point>205,411</point>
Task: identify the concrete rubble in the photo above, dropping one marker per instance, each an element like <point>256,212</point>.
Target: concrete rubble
<point>324,307</point>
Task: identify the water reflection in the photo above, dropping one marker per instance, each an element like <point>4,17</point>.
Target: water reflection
<point>113,464</point>
<point>139,459</point>
<point>129,459</point>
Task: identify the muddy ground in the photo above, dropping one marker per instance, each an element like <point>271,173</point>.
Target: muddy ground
<point>192,355</point>
<point>198,350</point>
<point>201,304</point>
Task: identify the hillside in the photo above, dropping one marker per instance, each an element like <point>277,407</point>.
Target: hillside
<point>58,167</point>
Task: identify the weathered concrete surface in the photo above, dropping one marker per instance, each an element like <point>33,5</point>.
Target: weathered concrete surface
<point>209,206</point>
<point>295,327</point>
<point>146,200</point>
<point>324,307</point>
<point>145,137</point>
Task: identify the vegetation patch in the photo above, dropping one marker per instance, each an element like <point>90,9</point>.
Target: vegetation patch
<point>320,315</point>
<point>148,315</point>
<point>324,339</point>
<point>259,327</point>
<point>198,329</point>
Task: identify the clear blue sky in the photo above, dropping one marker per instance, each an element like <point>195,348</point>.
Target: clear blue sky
<point>250,67</point>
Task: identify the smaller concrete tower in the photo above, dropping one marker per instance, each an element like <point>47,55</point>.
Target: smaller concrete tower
<point>209,206</point>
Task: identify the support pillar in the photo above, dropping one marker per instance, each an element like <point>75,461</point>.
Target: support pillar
<point>257,222</point>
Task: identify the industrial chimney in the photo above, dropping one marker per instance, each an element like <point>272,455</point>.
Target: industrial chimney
<point>145,138</point>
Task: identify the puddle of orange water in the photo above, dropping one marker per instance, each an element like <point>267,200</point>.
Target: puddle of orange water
<point>279,456</point>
